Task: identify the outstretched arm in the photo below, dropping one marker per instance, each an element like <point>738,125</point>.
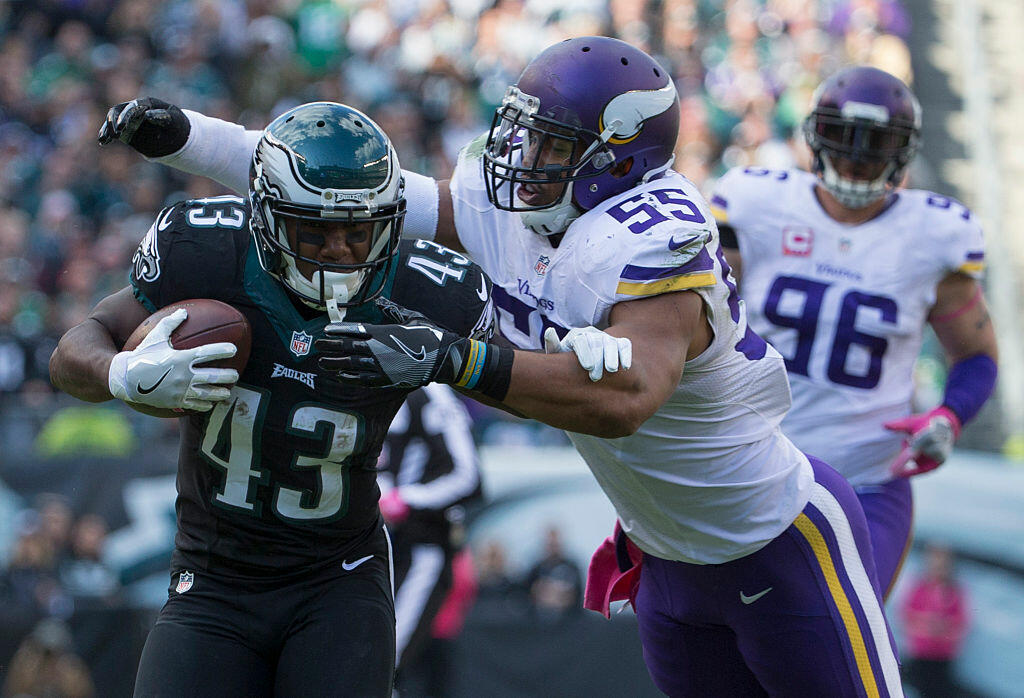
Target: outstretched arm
<point>202,145</point>
<point>217,149</point>
<point>665,330</point>
<point>183,139</point>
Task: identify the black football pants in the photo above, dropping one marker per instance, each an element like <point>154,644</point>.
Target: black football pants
<point>328,635</point>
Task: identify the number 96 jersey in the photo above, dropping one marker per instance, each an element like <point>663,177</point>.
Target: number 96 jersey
<point>846,305</point>
<point>281,476</point>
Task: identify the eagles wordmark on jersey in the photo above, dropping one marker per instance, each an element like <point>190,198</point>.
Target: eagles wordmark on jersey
<point>282,476</point>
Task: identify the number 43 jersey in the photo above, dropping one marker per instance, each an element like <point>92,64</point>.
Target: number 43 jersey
<point>846,305</point>
<point>281,476</point>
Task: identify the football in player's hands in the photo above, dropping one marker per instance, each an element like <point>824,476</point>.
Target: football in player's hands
<point>208,322</point>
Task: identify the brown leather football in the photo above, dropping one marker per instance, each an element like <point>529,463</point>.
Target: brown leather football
<point>208,321</point>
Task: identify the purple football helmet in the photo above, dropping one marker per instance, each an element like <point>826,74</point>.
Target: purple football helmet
<point>868,116</point>
<point>593,114</point>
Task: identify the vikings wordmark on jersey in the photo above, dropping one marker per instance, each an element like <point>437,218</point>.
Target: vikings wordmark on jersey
<point>656,238</point>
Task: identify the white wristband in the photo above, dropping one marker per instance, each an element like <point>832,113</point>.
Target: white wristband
<point>421,206</point>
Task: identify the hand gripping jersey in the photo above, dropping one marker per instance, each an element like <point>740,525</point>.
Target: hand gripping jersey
<point>281,476</point>
<point>845,304</point>
<point>709,478</point>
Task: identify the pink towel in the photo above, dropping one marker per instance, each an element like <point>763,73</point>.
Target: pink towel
<point>614,573</point>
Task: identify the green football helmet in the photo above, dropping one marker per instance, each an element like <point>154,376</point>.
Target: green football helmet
<point>326,161</point>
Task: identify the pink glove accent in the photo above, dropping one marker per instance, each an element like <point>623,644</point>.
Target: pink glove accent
<point>393,508</point>
<point>606,582</point>
<point>912,460</point>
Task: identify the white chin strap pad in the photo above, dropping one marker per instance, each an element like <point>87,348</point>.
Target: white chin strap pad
<point>554,219</point>
<point>340,293</point>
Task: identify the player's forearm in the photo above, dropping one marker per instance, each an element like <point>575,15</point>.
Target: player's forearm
<point>80,364</point>
<point>554,389</point>
<point>216,149</point>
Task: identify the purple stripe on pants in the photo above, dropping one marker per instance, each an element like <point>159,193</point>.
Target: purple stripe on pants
<point>768,623</point>
<point>889,510</point>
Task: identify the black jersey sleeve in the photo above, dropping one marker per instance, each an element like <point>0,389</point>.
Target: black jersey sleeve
<point>446,287</point>
<point>193,249</point>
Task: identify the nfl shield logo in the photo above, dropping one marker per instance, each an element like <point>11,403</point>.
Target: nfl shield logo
<point>184,582</point>
<point>541,267</point>
<point>301,342</point>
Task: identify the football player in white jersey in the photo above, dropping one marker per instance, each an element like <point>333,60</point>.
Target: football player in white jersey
<point>841,272</point>
<point>755,574</point>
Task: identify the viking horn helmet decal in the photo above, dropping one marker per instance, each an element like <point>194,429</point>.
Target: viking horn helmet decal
<point>631,109</point>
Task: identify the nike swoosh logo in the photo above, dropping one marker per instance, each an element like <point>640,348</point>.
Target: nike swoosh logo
<point>482,293</point>
<point>751,599</point>
<point>349,566</point>
<point>414,355</point>
<point>673,245</point>
<point>147,391</point>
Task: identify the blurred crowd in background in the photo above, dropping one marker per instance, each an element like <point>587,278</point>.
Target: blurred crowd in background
<point>429,71</point>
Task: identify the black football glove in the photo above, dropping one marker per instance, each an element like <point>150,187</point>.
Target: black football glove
<point>150,125</point>
<point>412,352</point>
<point>400,356</point>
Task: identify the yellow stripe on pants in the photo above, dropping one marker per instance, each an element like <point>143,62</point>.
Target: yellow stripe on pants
<point>860,652</point>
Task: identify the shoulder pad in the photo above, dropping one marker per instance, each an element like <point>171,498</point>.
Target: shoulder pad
<point>192,250</point>
<point>953,230</point>
<point>737,188</point>
<point>445,286</point>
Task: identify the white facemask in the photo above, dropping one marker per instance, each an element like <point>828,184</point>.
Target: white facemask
<point>853,193</point>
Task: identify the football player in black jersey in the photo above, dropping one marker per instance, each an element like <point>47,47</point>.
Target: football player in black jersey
<point>280,578</point>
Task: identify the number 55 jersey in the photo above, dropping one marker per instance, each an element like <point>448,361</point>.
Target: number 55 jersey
<point>846,305</point>
<point>281,477</point>
<point>709,478</point>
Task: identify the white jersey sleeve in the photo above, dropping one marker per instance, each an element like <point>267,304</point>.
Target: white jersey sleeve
<point>958,234</point>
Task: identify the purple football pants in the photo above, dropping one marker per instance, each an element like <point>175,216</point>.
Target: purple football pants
<point>800,617</point>
<point>889,510</point>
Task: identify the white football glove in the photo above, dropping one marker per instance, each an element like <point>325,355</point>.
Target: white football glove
<point>158,375</point>
<point>596,350</point>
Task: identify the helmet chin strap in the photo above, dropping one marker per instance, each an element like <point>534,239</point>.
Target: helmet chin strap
<point>338,288</point>
<point>339,292</point>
